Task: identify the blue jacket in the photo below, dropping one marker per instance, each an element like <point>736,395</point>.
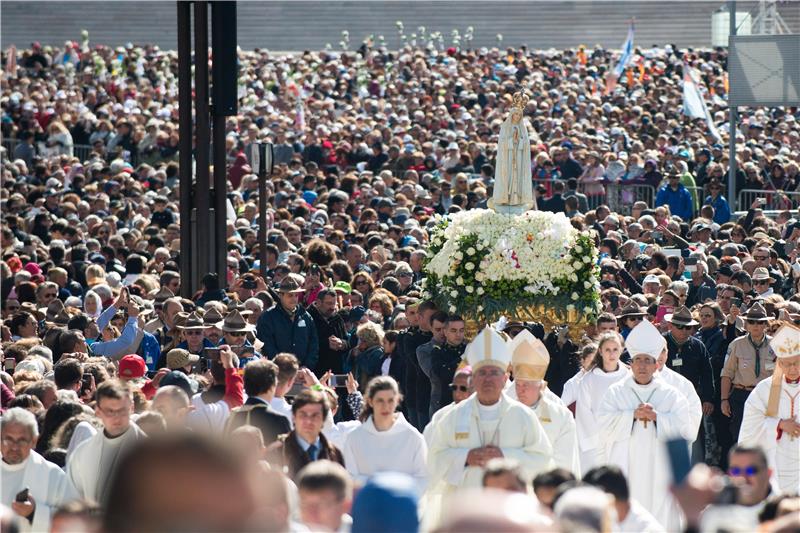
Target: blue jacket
<point>722,211</point>
<point>280,333</point>
<point>679,202</point>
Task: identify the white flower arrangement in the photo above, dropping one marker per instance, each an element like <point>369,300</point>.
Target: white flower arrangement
<point>486,263</point>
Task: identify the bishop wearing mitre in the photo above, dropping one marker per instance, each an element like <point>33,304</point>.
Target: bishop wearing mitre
<point>772,412</point>
<point>639,414</point>
<point>486,425</point>
<point>529,362</point>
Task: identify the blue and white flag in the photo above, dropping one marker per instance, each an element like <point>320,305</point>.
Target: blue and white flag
<point>694,104</point>
<point>627,53</point>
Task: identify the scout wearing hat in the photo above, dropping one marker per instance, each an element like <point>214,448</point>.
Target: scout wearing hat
<point>772,412</point>
<point>473,431</point>
<point>210,321</point>
<point>629,316</point>
<point>193,338</point>
<point>682,317</point>
<point>234,330</point>
<point>55,314</point>
<point>750,360</point>
<point>529,362</point>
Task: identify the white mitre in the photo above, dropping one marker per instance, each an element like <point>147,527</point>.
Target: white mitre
<point>786,342</point>
<point>488,348</point>
<point>645,339</point>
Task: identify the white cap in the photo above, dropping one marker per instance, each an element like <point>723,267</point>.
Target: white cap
<point>488,348</point>
<point>651,278</point>
<point>645,339</point>
<point>529,357</point>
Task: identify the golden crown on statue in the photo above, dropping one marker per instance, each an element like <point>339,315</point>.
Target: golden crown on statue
<point>520,100</point>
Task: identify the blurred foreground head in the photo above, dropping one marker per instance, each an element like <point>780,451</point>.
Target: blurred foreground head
<point>477,511</point>
<point>187,482</point>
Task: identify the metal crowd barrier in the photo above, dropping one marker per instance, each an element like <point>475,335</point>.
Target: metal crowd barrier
<point>775,200</point>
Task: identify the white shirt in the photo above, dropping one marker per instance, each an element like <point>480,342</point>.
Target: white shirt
<point>282,407</point>
<point>639,520</point>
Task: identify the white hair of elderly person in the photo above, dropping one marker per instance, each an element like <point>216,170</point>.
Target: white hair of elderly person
<point>585,509</point>
<point>481,510</point>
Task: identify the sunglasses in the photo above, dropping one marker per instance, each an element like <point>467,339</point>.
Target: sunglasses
<point>747,471</point>
<point>236,333</point>
<point>192,332</point>
<point>761,282</point>
<point>760,257</point>
<point>678,326</point>
<point>755,322</point>
<point>459,388</point>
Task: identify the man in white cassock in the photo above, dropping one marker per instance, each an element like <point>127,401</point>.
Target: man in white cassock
<point>23,468</point>
<point>529,361</point>
<point>772,412</point>
<point>687,390</point>
<point>639,415</point>
<point>487,425</point>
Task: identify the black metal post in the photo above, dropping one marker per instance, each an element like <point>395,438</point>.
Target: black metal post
<point>264,173</point>
<point>203,142</point>
<point>185,144</point>
<point>220,202</point>
<point>732,119</point>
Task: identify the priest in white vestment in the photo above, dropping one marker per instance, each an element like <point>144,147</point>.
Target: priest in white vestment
<point>686,388</point>
<point>772,412</point>
<point>529,361</point>
<point>638,415</point>
<point>488,424</point>
<point>23,468</point>
<point>91,467</point>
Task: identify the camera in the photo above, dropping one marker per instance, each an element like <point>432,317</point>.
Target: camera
<point>249,283</point>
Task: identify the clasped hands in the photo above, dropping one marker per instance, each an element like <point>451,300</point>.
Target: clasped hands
<point>481,456</point>
<point>644,413</point>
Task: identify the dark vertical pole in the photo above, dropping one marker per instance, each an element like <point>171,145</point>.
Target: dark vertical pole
<point>732,118</point>
<point>264,173</point>
<point>203,142</point>
<point>185,143</point>
<point>220,204</point>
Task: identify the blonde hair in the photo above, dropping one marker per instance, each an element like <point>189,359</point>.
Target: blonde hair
<point>370,333</point>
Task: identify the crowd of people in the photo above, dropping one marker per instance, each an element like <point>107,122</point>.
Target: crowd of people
<point>332,393</point>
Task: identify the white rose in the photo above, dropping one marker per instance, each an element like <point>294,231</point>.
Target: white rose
<point>576,265</point>
<point>454,294</point>
<point>587,285</point>
<point>459,280</point>
<point>587,309</point>
<point>452,309</point>
<point>573,277</point>
<point>470,289</point>
<point>470,266</point>
<point>570,307</point>
<point>587,259</point>
<point>578,249</point>
<point>574,295</point>
<point>459,256</point>
<point>480,290</point>
<point>470,251</point>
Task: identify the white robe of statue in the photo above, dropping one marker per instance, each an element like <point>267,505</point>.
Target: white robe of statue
<point>639,450</point>
<point>559,425</point>
<point>513,185</point>
<point>783,454</point>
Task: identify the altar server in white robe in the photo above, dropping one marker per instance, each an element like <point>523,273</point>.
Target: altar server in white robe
<point>606,370</point>
<point>487,425</point>
<point>91,467</point>
<point>23,468</point>
<point>529,361</point>
<point>688,391</point>
<point>639,415</point>
<point>772,412</point>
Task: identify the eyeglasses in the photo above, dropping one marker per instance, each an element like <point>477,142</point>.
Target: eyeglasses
<point>761,257</point>
<point>635,318</point>
<point>459,388</point>
<point>679,326</point>
<point>761,282</point>
<point>747,471</point>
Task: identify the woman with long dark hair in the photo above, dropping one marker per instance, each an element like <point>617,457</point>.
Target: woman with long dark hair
<point>385,441</point>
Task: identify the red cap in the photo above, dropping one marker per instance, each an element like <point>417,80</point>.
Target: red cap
<point>132,367</point>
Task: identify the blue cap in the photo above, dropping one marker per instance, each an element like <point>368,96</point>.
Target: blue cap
<point>180,380</point>
<point>387,503</point>
<point>309,197</point>
<point>356,314</point>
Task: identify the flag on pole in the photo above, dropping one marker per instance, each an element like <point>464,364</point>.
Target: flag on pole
<point>625,58</point>
<point>693,103</point>
<point>627,52</point>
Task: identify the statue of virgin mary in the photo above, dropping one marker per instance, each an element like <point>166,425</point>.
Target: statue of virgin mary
<point>513,186</point>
